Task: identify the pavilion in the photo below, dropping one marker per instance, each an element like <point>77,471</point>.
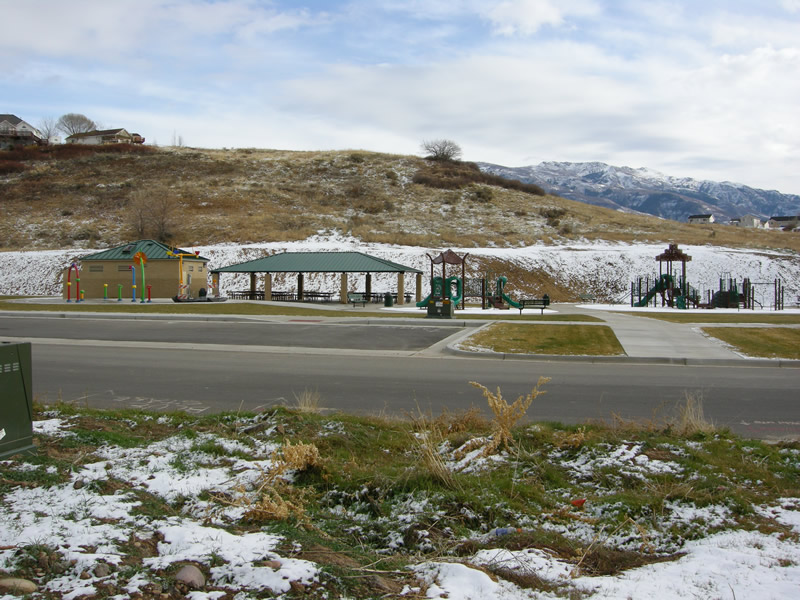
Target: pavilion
<point>319,262</point>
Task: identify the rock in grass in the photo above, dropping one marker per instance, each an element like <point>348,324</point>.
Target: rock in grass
<point>17,586</point>
<point>191,577</point>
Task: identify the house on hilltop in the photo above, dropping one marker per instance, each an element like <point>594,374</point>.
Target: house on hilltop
<point>166,269</point>
<point>15,133</point>
<point>701,218</point>
<point>785,223</point>
<point>751,221</point>
<point>106,136</point>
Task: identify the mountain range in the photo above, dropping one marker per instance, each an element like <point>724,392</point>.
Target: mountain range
<point>650,192</point>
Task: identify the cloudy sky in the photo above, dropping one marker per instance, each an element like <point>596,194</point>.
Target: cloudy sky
<point>697,88</point>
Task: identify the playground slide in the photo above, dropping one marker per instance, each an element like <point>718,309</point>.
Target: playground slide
<point>500,287</point>
<point>424,303</point>
<point>509,301</point>
<point>664,283</point>
<point>646,300</point>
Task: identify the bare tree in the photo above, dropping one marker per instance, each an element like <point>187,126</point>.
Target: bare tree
<point>152,214</point>
<point>48,127</point>
<point>162,217</point>
<point>138,212</point>
<point>441,149</point>
<point>75,123</point>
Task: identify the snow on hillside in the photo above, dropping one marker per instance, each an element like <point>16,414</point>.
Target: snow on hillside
<point>604,268</point>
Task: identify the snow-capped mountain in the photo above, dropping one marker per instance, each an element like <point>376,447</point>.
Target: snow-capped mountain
<point>648,191</point>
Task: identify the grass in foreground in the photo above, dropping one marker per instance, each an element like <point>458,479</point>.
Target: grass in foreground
<point>357,496</point>
<point>577,340</point>
<point>765,342</point>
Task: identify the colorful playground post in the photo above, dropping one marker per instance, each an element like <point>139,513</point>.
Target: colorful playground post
<point>119,292</point>
<point>133,283</point>
<point>77,283</point>
<point>140,258</point>
<point>105,291</point>
<point>179,256</point>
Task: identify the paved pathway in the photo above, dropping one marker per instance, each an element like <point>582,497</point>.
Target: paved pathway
<point>652,338</point>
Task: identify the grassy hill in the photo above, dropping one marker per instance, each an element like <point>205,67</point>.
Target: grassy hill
<point>67,197</point>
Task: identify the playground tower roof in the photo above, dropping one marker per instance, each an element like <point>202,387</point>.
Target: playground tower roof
<point>318,262</point>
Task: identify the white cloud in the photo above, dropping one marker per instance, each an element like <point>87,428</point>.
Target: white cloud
<point>526,17</point>
<point>792,6</point>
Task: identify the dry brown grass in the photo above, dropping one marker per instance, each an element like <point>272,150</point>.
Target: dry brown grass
<point>273,497</point>
<point>690,418</point>
<point>506,415</point>
<point>253,195</point>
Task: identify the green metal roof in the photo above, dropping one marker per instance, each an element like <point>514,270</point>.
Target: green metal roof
<point>318,262</point>
<point>152,249</point>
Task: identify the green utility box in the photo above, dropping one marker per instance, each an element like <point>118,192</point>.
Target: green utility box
<point>440,308</point>
<point>16,399</point>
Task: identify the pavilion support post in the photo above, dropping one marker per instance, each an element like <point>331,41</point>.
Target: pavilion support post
<point>300,287</point>
<point>343,289</point>
<point>215,283</point>
<point>401,287</point>
<point>252,285</point>
<point>368,285</point>
<point>267,286</point>
<point>419,287</point>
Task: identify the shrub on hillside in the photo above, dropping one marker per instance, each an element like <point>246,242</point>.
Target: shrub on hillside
<point>451,175</point>
<point>68,151</point>
<point>8,167</point>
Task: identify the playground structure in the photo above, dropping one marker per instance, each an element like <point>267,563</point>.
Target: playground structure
<point>443,299</point>
<point>675,292</point>
<point>735,294</point>
<point>500,299</point>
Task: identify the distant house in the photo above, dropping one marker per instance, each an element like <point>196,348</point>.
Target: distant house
<point>165,270</point>
<point>751,221</point>
<point>14,133</point>
<point>106,136</point>
<point>701,218</point>
<point>785,223</point>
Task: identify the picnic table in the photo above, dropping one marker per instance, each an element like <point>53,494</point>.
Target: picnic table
<point>312,296</point>
<point>247,295</point>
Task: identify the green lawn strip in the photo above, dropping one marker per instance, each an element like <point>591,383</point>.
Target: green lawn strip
<point>376,504</point>
<point>709,316</point>
<point>240,308</point>
<point>577,340</point>
<point>766,342</point>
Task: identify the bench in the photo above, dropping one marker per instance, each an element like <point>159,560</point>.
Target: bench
<point>540,303</point>
<point>356,298</point>
<point>587,298</point>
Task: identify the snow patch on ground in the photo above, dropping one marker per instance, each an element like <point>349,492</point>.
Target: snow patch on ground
<point>605,266</point>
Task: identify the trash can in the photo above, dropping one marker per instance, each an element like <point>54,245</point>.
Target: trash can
<point>16,401</point>
<point>388,300</point>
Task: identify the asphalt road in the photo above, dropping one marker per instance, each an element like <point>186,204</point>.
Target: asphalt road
<point>136,366</point>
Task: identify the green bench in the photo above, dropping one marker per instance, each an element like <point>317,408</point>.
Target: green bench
<point>356,298</point>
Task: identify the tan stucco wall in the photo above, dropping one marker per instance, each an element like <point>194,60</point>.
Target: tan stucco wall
<point>161,275</point>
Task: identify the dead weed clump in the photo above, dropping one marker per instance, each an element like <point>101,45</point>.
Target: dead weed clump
<point>506,415</point>
<point>274,498</point>
<point>690,419</point>
<point>427,438</point>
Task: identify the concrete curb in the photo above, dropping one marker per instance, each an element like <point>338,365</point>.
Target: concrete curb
<point>351,320</point>
<point>634,360</point>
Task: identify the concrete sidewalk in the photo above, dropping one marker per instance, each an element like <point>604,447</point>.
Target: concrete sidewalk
<point>648,338</point>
